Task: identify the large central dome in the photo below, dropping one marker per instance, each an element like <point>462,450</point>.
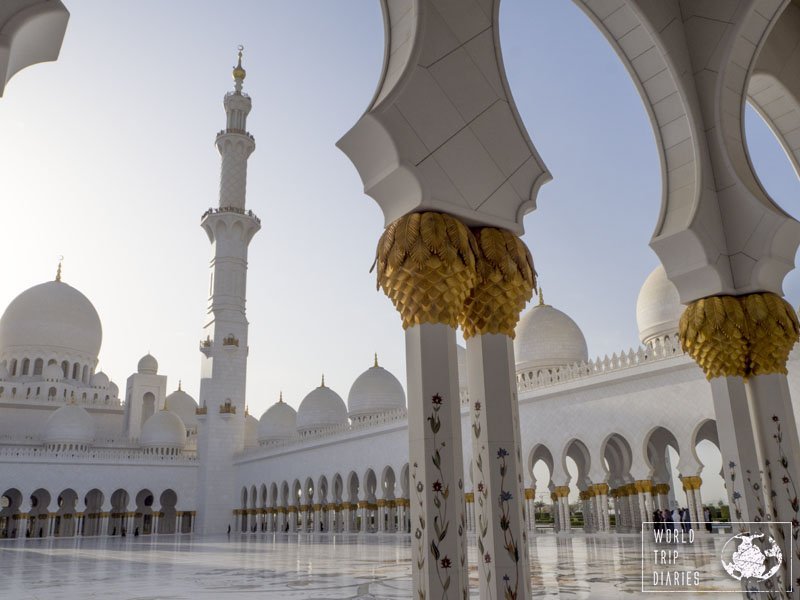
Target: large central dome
<point>52,315</point>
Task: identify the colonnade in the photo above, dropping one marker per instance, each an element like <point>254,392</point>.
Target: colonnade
<point>381,516</point>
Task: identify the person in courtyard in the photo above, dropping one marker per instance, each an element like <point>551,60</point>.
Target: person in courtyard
<point>686,519</point>
<point>229,529</point>
<point>707,518</point>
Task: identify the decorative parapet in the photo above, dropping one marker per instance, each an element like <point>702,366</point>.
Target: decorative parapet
<point>227,408</point>
<point>20,453</point>
<point>201,410</point>
<point>661,349</point>
<point>230,340</point>
<point>231,209</point>
<point>387,418</point>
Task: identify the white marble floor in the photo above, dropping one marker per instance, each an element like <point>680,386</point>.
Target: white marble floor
<point>318,567</point>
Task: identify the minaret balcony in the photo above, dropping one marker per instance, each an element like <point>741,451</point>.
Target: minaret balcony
<point>230,209</point>
<point>247,134</point>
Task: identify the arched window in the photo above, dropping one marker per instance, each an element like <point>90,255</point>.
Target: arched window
<point>38,365</point>
<point>13,369</point>
<point>76,369</point>
<point>85,374</point>
<point>52,392</point>
<point>26,366</point>
<point>65,368</point>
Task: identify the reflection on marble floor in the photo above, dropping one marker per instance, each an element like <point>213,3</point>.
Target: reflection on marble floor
<point>282,566</point>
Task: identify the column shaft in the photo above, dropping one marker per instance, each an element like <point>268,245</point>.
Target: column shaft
<point>439,557</point>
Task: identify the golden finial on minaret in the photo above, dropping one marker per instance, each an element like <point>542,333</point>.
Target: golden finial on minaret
<point>179,385</point>
<point>58,270</point>
<point>238,71</point>
<point>376,360</point>
<point>541,296</point>
<point>280,396</point>
<point>323,381</point>
<point>246,410</point>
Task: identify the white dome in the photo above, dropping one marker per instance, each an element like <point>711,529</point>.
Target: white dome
<point>279,422</point>
<point>375,391</point>
<point>250,431</point>
<point>462,367</point>
<point>100,380</point>
<point>548,338</point>
<point>320,409</point>
<point>148,365</point>
<point>183,405</point>
<point>113,390</point>
<point>658,307</point>
<point>52,373</point>
<point>164,429</point>
<point>70,424</point>
<point>52,315</point>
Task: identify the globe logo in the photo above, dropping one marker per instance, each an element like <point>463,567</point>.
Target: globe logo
<point>749,558</point>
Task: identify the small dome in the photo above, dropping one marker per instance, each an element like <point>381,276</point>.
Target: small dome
<point>52,373</point>
<point>462,367</point>
<point>320,409</point>
<point>250,431</point>
<point>548,338</point>
<point>52,315</point>
<point>183,405</point>
<point>375,391</point>
<point>148,365</point>
<point>164,429</point>
<point>70,424</point>
<point>113,389</point>
<point>658,307</point>
<point>279,422</point>
<point>100,380</point>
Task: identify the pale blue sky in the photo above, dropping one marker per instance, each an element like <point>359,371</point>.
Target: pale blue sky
<point>110,161</point>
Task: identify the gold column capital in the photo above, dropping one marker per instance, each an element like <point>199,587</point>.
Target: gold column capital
<point>739,336</point>
<point>426,266</point>
<point>643,485</point>
<point>530,493</point>
<point>562,491</point>
<point>691,482</point>
<point>505,283</point>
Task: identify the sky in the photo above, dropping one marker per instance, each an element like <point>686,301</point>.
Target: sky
<point>109,160</point>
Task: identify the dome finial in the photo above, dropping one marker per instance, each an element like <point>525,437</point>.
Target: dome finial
<point>541,296</point>
<point>238,71</point>
<point>323,381</point>
<point>179,385</point>
<point>58,270</point>
<point>280,396</point>
<point>376,360</point>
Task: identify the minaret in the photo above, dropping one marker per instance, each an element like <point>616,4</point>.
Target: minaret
<point>230,227</point>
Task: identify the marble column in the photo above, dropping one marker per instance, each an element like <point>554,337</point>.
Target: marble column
<point>502,534</point>
<point>780,451</point>
<point>530,505</point>
<point>380,515</point>
<point>317,518</point>
<point>434,424</point>
<point>661,491</point>
<point>291,515</point>
<point>644,496</point>
<point>282,519</point>
<point>555,511</point>
<point>562,503</point>
<point>156,519</point>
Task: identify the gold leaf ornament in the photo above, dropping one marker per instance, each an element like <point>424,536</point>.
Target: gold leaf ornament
<point>506,280</point>
<point>426,266</point>
<point>739,336</point>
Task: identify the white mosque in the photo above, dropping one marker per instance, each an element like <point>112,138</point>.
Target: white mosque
<point>490,429</point>
<point>79,459</point>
